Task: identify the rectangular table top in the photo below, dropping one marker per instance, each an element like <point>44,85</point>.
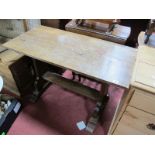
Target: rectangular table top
<point>98,59</point>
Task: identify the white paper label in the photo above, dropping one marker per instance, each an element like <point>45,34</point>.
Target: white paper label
<point>17,107</point>
<point>81,125</point>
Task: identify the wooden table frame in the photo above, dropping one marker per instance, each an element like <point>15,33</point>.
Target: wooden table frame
<point>92,58</point>
<point>100,96</point>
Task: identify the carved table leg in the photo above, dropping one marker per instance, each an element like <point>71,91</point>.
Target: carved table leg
<point>38,90</point>
<point>92,122</point>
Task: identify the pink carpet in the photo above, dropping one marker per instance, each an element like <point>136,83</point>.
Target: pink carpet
<point>58,111</point>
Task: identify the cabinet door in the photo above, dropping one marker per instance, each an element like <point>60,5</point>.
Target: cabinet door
<point>143,101</point>
<point>134,122</point>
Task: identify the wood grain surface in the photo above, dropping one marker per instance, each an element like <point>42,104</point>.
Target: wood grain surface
<point>101,60</point>
<point>144,101</point>
<point>73,86</point>
<point>144,70</point>
<point>134,122</point>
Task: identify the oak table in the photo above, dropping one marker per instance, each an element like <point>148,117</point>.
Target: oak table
<point>96,59</point>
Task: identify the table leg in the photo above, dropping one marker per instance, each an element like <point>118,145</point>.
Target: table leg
<point>92,122</point>
<point>38,89</point>
<point>78,75</point>
<point>37,78</point>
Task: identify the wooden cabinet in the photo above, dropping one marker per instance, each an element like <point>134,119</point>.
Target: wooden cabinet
<point>138,114</point>
<point>139,107</point>
<point>134,122</point>
<point>143,101</point>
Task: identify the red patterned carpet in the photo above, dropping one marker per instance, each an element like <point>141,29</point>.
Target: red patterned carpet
<point>58,111</point>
